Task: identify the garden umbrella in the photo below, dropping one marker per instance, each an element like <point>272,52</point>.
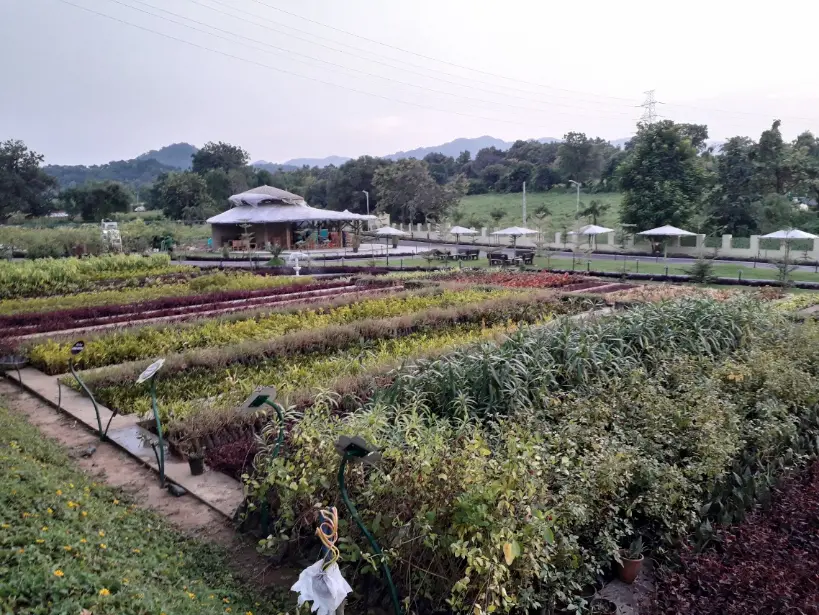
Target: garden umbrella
<point>461,230</point>
<point>514,232</point>
<point>388,231</point>
<point>592,231</point>
<point>666,231</point>
<point>788,235</point>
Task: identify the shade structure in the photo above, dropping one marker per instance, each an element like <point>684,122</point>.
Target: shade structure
<point>462,230</point>
<point>514,232</point>
<point>788,234</point>
<point>388,231</point>
<point>667,231</point>
<point>592,229</point>
<point>269,205</point>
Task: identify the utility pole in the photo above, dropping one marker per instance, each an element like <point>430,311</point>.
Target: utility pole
<point>524,203</point>
<point>649,108</point>
<point>576,210</point>
<point>367,194</point>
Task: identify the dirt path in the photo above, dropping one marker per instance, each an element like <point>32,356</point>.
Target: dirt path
<point>118,469</point>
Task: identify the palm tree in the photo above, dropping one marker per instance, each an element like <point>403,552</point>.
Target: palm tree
<point>595,210</point>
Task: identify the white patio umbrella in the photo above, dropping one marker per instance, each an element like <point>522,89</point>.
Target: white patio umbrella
<point>788,235</point>
<point>592,231</point>
<point>514,232</point>
<point>461,230</point>
<point>388,231</point>
<point>666,231</point>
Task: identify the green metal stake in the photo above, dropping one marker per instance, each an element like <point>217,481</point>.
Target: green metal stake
<point>356,449</point>
<point>150,374</point>
<point>265,396</point>
<point>76,349</point>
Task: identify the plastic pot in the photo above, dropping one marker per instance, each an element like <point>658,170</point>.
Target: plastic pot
<point>628,570</point>
<point>197,465</point>
<point>602,606</point>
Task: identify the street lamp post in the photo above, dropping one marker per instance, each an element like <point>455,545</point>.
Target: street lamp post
<point>367,194</point>
<point>576,209</point>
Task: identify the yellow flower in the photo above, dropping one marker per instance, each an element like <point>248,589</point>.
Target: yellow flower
<point>211,597</point>
<point>26,515</point>
<point>44,528</point>
<point>20,551</point>
<point>73,504</point>
<point>39,541</point>
<point>103,546</point>
<point>104,592</point>
<point>83,540</point>
<point>191,595</point>
<point>50,512</point>
<point>59,491</point>
<point>227,610</point>
<point>67,547</point>
<point>136,551</point>
<point>84,514</point>
<point>102,533</point>
<point>116,501</point>
<point>59,573</point>
<point>125,581</point>
<point>249,613</point>
<point>71,485</point>
<point>5,526</point>
<point>226,600</point>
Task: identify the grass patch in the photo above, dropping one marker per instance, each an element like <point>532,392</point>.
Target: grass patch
<point>562,203</point>
<point>69,544</point>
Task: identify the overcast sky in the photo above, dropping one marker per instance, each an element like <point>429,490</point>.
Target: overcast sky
<point>351,77</point>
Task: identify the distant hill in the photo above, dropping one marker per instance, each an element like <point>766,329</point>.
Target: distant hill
<point>316,162</point>
<point>274,168</point>
<point>451,148</point>
<point>135,173</point>
<point>177,155</point>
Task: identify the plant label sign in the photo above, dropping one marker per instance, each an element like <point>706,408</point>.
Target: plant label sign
<point>78,347</point>
<point>260,396</point>
<point>150,371</point>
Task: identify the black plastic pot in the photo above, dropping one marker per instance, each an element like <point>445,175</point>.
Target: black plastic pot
<point>197,465</point>
<point>10,362</point>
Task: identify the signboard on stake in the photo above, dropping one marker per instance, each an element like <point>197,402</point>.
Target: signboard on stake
<point>150,371</point>
<point>78,347</point>
<point>357,450</point>
<point>261,396</point>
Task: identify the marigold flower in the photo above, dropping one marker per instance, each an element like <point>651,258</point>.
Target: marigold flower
<point>59,491</point>
<point>104,592</point>
<point>102,533</point>
<point>59,573</point>
<point>83,540</point>
<point>39,541</point>
<point>103,545</point>
<point>67,547</point>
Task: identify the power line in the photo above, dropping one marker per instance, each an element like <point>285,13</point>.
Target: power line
<point>297,16</point>
<point>289,29</point>
<point>420,55</point>
<point>292,73</point>
<point>334,64</point>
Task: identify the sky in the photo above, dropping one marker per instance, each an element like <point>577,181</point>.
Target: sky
<point>89,81</point>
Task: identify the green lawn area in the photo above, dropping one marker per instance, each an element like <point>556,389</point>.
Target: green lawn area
<point>643,264</point>
<point>69,544</point>
<point>561,202</point>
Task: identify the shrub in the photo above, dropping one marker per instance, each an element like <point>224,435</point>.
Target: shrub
<point>525,508</point>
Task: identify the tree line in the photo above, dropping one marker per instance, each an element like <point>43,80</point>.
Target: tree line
<point>667,173</point>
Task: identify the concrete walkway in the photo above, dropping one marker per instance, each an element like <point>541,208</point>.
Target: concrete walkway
<point>219,491</point>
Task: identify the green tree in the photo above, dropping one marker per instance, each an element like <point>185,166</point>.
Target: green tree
<point>577,157</point>
<point>95,201</point>
<point>662,179</point>
<point>408,192</point>
<point>497,214</point>
<point>219,156</point>
<point>769,161</point>
<point>24,186</point>
<point>732,204</point>
<point>595,210</point>
<point>183,196</point>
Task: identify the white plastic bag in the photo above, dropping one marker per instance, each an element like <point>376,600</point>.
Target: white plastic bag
<point>325,588</point>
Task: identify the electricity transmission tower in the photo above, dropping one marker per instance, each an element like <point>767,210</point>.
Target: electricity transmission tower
<point>649,108</point>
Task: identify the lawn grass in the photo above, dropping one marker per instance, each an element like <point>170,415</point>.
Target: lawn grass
<point>562,204</point>
<point>69,544</point>
<point>632,264</point>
